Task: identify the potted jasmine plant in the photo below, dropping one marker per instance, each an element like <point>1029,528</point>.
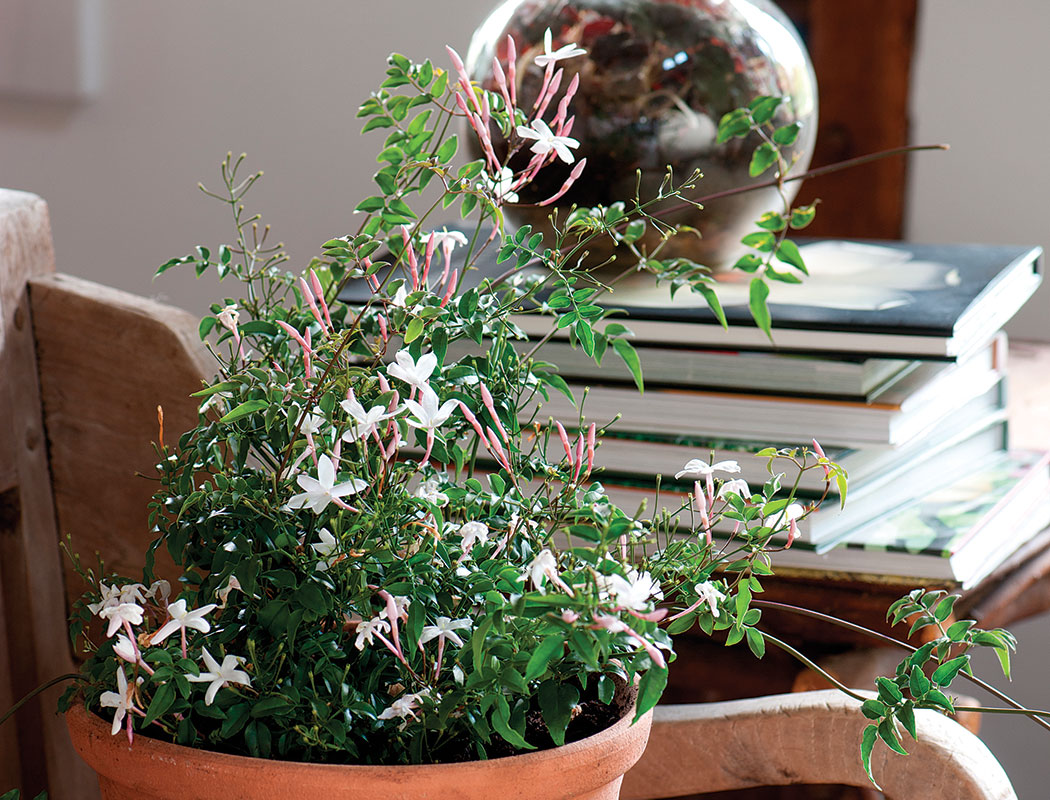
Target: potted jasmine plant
<point>391,556</point>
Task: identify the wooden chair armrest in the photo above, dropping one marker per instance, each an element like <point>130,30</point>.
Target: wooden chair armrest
<point>806,738</point>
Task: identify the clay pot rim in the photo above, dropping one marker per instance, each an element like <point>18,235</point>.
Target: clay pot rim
<point>90,725</point>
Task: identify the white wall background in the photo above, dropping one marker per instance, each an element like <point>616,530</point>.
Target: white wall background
<point>182,83</point>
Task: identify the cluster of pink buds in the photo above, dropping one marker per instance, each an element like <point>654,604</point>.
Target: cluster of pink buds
<point>550,139</point>
<point>583,452</point>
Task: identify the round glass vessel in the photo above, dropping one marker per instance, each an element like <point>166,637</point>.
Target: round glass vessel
<point>657,78</point>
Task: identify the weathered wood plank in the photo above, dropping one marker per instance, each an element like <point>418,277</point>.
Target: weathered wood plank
<point>30,562</point>
<point>108,359</point>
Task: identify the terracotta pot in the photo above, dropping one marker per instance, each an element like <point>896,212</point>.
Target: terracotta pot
<point>590,769</point>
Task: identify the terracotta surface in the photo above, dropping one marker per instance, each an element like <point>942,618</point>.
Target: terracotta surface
<point>590,769</point>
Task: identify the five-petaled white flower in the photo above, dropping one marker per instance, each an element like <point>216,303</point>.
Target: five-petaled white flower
<point>324,548</point>
<point>181,619</point>
<point>545,140</point>
<point>634,592</point>
<point>121,701</point>
<point>698,468</point>
<point>365,422</point>
<point>367,629</point>
<point>737,486</point>
<point>401,605</point>
<point>708,593</point>
<point>110,597</point>
<point>444,628</point>
<point>553,56</point>
<point>414,373</point>
<point>320,491</point>
<point>119,614</point>
<point>428,416</point>
<point>403,708</point>
<point>219,675</point>
<point>430,490</point>
<point>501,186</point>
<point>312,424</point>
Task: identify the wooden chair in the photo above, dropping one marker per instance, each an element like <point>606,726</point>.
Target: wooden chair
<point>83,370</point>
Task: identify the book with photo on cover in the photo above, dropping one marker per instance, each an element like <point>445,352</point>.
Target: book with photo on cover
<point>885,299</point>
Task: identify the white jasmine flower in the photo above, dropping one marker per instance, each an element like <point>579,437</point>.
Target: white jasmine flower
<point>231,584</point>
<point>473,533</point>
<point>634,592</point>
<point>125,648</point>
<point>324,548</point>
<point>133,593</point>
<point>428,416</point>
<point>181,619</point>
<point>543,566</point>
<point>365,422</point>
<point>429,491</point>
<point>159,590</point>
<point>444,628</point>
<point>121,701</point>
<point>500,186</point>
<point>446,238</point>
<point>697,468</point>
<point>220,675</point>
<point>230,547</point>
<point>709,594</point>
<point>119,614</point>
<point>401,605</point>
<point>737,486</point>
<point>368,628</point>
<point>404,708</point>
<point>545,140</point>
<point>414,373</point>
<point>320,491</point>
<point>312,424</point>
<point>794,511</point>
<point>553,56</point>
<point>228,317</point>
<point>110,597</point>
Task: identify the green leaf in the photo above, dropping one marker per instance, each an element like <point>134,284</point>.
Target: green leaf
<point>557,701</point>
<point>873,709</point>
<point>788,252</point>
<point>650,688</point>
<point>583,330</point>
<point>500,719</point>
<point>448,149</point>
<point>763,241</point>
<point>906,715</point>
<point>764,157</point>
<point>370,204</point>
<point>161,702</point>
<point>759,293</point>
<point>867,743</point>
<point>771,221</point>
<point>802,216</point>
<point>377,122</point>
<point>918,683</point>
<point>244,409</point>
<point>785,136</point>
<point>711,298</point>
<point>629,355</point>
<point>635,231</point>
<point>268,706</point>
<point>889,692</point>
<point>945,607</point>
<point>889,736</point>
<point>763,108</point>
<point>756,641</point>
<point>946,672</point>
<point>414,330</point>
<point>734,124</point>
<point>542,655</point>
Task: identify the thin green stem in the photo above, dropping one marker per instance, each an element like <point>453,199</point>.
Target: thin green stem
<point>70,676</point>
<point>812,665</point>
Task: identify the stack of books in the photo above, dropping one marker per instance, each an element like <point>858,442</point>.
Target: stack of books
<point>890,355</point>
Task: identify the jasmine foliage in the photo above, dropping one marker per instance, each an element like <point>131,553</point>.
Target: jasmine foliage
<point>770,243</point>
<point>386,555</point>
<point>923,678</point>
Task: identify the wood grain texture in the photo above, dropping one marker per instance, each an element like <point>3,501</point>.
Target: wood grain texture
<point>107,360</point>
<point>37,646</point>
<point>807,738</point>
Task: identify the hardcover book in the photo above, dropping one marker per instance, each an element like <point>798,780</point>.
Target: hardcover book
<point>891,299</point>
